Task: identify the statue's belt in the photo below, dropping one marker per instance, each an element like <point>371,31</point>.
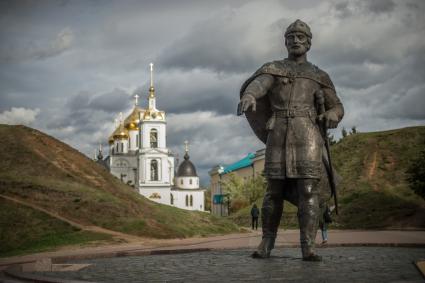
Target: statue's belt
<point>291,113</point>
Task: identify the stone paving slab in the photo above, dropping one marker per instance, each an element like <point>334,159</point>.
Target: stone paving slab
<point>340,264</point>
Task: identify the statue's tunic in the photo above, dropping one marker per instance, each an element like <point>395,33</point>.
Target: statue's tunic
<point>286,118</point>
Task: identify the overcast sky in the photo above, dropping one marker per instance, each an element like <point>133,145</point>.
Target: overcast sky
<point>69,67</point>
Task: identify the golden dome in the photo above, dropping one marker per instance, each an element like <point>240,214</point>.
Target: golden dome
<point>120,133</point>
<point>132,120</point>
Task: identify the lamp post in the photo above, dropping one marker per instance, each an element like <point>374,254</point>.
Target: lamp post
<point>220,171</point>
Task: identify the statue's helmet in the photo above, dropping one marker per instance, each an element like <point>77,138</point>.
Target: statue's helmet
<point>299,26</point>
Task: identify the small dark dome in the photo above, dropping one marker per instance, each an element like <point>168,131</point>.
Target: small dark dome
<point>186,168</point>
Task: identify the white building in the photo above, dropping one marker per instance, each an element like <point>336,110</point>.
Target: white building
<point>138,156</point>
<point>186,193</point>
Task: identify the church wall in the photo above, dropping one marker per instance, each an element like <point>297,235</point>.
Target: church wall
<point>160,194</point>
<point>171,169</point>
<point>180,200</point>
<point>124,167</point>
<point>133,135</point>
<point>185,182</point>
<point>120,146</point>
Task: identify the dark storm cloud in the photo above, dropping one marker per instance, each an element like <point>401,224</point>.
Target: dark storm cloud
<point>361,76</point>
<point>380,6</point>
<point>114,101</point>
<point>84,112</point>
<point>409,106</point>
<point>194,90</point>
<point>199,49</point>
<point>27,49</point>
<point>349,8</point>
<point>215,96</point>
<point>227,41</point>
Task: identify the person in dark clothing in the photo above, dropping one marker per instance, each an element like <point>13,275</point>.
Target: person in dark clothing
<point>255,213</point>
<point>324,222</point>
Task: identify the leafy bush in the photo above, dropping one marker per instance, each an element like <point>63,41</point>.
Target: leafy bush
<point>416,175</point>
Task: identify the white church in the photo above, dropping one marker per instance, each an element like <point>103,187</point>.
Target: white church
<point>138,156</point>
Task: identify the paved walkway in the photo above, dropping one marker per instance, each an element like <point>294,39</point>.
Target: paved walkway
<point>286,238</point>
<point>340,264</point>
<point>350,256</point>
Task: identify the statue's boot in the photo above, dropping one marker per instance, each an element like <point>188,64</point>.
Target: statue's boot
<point>271,212</point>
<point>308,217</point>
<point>264,249</point>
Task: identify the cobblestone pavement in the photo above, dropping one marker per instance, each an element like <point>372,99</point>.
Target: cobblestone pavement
<point>340,264</point>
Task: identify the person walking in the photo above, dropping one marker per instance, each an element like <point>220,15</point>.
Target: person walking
<point>255,213</point>
<point>324,222</point>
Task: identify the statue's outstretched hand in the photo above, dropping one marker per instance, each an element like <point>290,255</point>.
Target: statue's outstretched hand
<point>329,118</point>
<point>246,102</point>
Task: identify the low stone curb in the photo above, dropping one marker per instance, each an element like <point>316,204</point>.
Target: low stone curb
<point>16,273</point>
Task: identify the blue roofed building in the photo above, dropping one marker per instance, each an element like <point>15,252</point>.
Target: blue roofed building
<point>248,167</point>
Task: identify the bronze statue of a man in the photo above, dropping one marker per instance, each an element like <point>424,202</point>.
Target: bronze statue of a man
<point>280,101</point>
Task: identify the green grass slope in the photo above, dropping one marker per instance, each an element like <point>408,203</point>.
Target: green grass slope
<point>42,171</point>
<point>374,192</point>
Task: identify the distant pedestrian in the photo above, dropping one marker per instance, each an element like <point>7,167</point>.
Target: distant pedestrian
<point>324,222</point>
<point>255,212</point>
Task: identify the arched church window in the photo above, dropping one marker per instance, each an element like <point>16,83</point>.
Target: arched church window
<point>137,140</point>
<point>191,200</point>
<point>171,199</point>
<point>187,200</point>
<point>154,170</point>
<point>129,142</point>
<point>122,147</point>
<point>190,181</point>
<point>154,138</point>
<point>181,181</point>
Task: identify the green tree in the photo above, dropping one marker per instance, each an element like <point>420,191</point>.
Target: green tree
<point>243,192</point>
<point>353,130</point>
<point>207,195</point>
<point>416,175</point>
<point>255,189</point>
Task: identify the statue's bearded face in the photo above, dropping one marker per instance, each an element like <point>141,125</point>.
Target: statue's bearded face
<point>297,43</point>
